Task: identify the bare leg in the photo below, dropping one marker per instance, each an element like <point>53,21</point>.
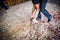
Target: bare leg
<point>33,11</point>
<point>37,10</point>
<point>36,14</point>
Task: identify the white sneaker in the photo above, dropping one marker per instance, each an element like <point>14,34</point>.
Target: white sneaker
<point>34,21</point>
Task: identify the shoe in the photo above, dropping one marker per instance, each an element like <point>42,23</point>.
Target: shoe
<point>49,20</point>
<point>34,21</point>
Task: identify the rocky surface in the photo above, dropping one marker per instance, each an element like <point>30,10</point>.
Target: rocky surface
<point>16,24</point>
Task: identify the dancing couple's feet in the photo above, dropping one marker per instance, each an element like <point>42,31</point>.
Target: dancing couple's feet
<point>36,20</point>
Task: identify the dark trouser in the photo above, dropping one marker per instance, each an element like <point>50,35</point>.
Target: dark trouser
<point>2,5</point>
<point>43,10</point>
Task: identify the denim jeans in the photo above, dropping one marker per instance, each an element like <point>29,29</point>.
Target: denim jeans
<point>2,5</point>
<point>43,10</point>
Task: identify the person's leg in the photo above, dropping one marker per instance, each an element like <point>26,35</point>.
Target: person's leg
<point>39,15</point>
<point>3,5</point>
<point>36,7</point>
<point>44,11</point>
<point>36,14</point>
<point>37,10</point>
<point>33,11</point>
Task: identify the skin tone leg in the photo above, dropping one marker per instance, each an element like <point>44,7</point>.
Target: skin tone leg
<point>35,13</point>
<point>37,10</point>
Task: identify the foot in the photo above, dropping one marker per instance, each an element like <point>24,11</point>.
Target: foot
<point>49,20</point>
<point>34,21</point>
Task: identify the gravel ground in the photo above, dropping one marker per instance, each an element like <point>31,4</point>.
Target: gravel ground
<point>16,24</point>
